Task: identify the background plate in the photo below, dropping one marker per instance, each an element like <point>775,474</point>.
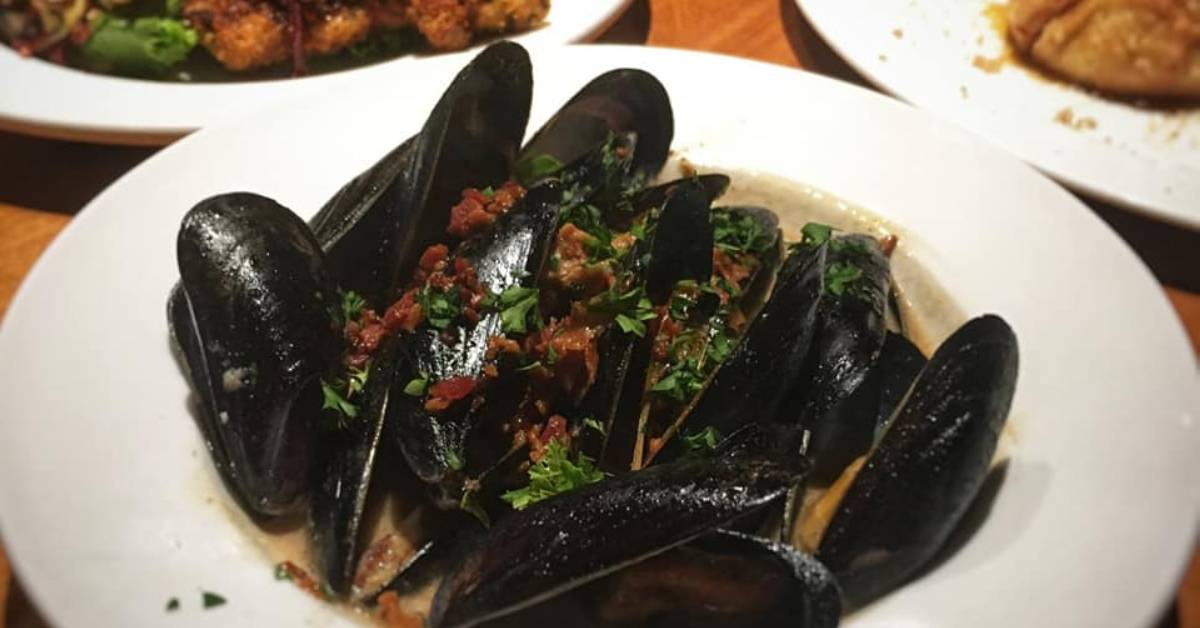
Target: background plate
<point>930,53</point>
<point>42,98</point>
<point>109,505</point>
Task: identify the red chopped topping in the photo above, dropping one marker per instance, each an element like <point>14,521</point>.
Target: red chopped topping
<point>299,577</point>
<point>501,344</point>
<point>477,211</point>
<point>555,429</point>
<point>667,330</point>
<point>393,615</point>
<point>578,360</point>
<point>443,394</point>
<point>887,244</point>
<point>729,268</point>
<point>433,256</point>
<point>574,270</point>
<point>404,314</point>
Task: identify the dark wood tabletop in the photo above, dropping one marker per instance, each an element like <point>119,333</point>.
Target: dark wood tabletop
<point>43,183</point>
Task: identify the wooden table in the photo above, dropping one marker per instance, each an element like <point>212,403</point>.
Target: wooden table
<point>43,183</point>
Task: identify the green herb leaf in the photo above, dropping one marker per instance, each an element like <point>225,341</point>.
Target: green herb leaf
<point>211,600</point>
<point>146,46</point>
<point>172,605</point>
<point>453,459</point>
<point>628,309</point>
<point>551,355</point>
<point>535,167</point>
<point>841,275</point>
<point>416,386</point>
<point>358,380</point>
<point>336,402</point>
<point>703,441</point>
<point>555,473</point>
<point>738,232</point>
<point>440,308</point>
<point>282,573</point>
<point>488,192</point>
<point>815,234</point>
<point>630,325</point>
<point>352,305</point>
<point>530,366</point>
<point>519,305</point>
<point>681,382</point>
<point>720,346</point>
<point>595,425</point>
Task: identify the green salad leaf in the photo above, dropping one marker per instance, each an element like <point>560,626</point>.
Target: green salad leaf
<point>555,473</point>
<point>145,46</point>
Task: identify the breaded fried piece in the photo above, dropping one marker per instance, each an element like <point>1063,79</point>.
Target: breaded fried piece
<point>501,16</point>
<point>1133,47</point>
<point>446,24</point>
<point>248,34</point>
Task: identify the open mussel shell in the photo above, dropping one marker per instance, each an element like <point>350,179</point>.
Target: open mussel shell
<point>654,196</point>
<point>752,383</point>
<point>927,468</point>
<point>850,334</point>
<point>257,320</point>
<point>566,541</point>
<point>685,249</point>
<point>377,225</point>
<point>618,102</point>
<point>514,251</point>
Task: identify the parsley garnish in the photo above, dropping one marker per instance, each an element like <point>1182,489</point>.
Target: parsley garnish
<point>416,386</point>
<point>628,308</point>
<point>839,276</point>
<point>453,459</point>
<point>595,425</point>
<point>703,441</point>
<point>815,234</point>
<point>440,308</point>
<point>738,232</point>
<point>530,366</point>
<point>518,310</point>
<point>172,604</point>
<point>358,380</point>
<point>681,383</point>
<point>555,473</point>
<point>488,192</point>
<point>336,402</point>
<point>211,600</point>
<point>282,572</point>
<point>720,346</point>
<point>551,355</point>
<point>682,300</point>
<point>535,167</point>
<point>352,305</point>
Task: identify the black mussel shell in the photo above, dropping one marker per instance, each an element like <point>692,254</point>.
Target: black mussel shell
<point>850,334</point>
<point>376,226</point>
<point>615,103</point>
<point>654,196</point>
<point>683,242</point>
<point>568,540</point>
<point>755,379</point>
<point>924,472</point>
<point>512,253</point>
<point>257,319</point>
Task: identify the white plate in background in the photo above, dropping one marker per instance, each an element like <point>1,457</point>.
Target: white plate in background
<point>43,98</point>
<point>109,505</point>
<point>950,58</point>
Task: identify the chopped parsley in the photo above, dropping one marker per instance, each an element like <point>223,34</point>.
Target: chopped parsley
<point>211,600</point>
<point>352,305</point>
<point>358,380</point>
<point>172,605</point>
<point>738,232</point>
<point>518,310</point>
<point>592,423</point>
<point>551,356</point>
<point>681,382</point>
<point>535,167</point>
<point>417,385</point>
<point>440,308</point>
<point>453,459</point>
<point>282,573</point>
<point>682,300</point>
<point>720,346</point>
<point>703,441</point>
<point>815,234</point>
<point>841,275</point>
<point>336,402</point>
<point>628,308</point>
<point>555,473</point>
<point>529,367</point>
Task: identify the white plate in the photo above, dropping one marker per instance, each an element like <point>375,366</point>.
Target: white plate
<point>924,51</point>
<point>42,98</point>
<point>110,506</point>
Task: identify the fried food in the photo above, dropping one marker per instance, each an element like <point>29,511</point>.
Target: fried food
<point>248,34</point>
<point>1145,48</point>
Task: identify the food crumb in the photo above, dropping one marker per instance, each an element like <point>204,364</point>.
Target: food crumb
<point>883,58</point>
<point>211,600</point>
<point>898,33</point>
<point>962,89</point>
<point>1066,117</point>
<point>991,65</point>
<point>172,605</point>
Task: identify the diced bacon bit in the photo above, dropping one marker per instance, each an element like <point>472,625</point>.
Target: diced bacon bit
<point>490,371</point>
<point>729,268</point>
<point>364,337</point>
<point>624,241</point>
<point>555,429</point>
<point>668,329</point>
<point>501,344</point>
<point>380,562</point>
<point>300,578</point>
<point>445,393</point>
<point>477,211</point>
<point>433,257</point>
<point>574,270</point>
<point>655,444</point>
<point>392,615</point>
<point>578,359</point>
<point>404,314</point>
<point>887,244</point>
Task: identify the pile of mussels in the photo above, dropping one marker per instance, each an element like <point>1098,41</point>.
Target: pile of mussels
<point>629,407</point>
